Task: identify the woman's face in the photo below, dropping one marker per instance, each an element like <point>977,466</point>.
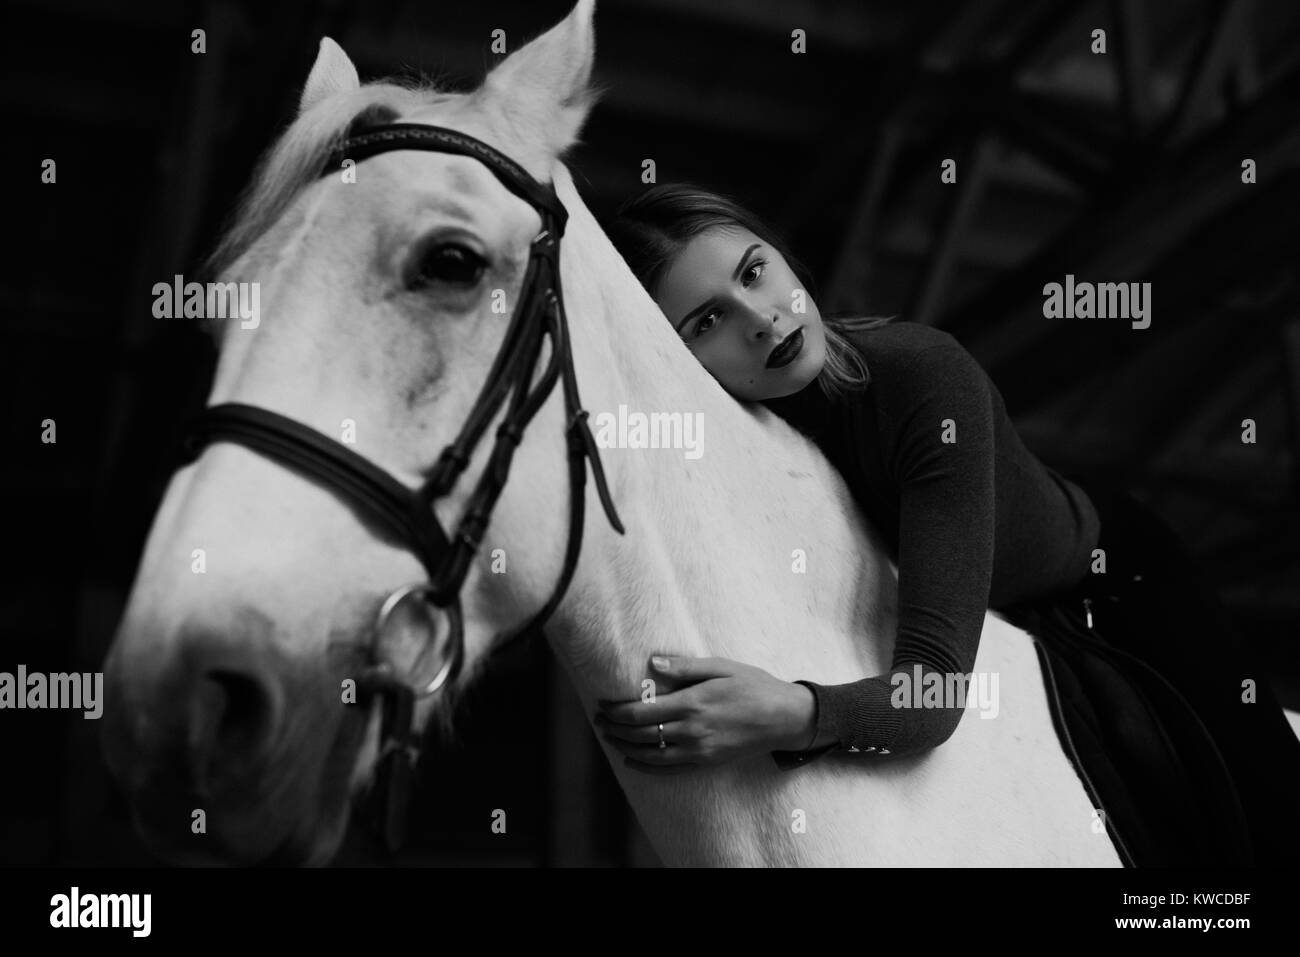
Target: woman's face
<point>731,297</point>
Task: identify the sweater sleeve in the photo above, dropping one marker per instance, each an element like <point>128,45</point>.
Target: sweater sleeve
<point>937,434</point>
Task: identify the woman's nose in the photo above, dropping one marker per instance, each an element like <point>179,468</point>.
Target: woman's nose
<point>763,325</point>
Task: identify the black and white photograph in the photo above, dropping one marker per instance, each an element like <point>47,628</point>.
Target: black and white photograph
<point>631,434</point>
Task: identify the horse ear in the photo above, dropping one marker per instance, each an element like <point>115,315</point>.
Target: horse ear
<point>332,73</point>
<point>545,84</point>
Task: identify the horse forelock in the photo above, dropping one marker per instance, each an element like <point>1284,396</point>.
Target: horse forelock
<point>293,162</point>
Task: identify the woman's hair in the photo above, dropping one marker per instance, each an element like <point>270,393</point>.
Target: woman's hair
<point>650,231</point>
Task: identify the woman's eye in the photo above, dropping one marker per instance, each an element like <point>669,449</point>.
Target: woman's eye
<point>449,263</point>
<point>705,323</point>
<point>756,264</point>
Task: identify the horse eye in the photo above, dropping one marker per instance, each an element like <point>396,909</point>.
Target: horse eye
<point>449,263</point>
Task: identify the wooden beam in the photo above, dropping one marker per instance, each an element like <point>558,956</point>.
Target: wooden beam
<point>972,168</point>
<point>852,270</point>
<point>1226,347</point>
<point>842,142</point>
<point>1051,138</point>
<point>1152,212</point>
<point>1041,357</point>
<point>1225,475</point>
<point>1133,64</point>
<point>1244,78</point>
<point>1290,336</point>
<point>682,97</point>
<point>1217,51</point>
<point>1072,139</point>
<point>859,28</point>
<point>1220,473</point>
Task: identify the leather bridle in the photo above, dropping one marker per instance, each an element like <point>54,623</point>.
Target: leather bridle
<point>409,515</point>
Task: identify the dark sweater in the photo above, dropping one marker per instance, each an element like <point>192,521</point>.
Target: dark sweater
<point>981,522</point>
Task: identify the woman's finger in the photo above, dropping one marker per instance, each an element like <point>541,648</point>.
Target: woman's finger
<point>676,733</point>
<point>673,706</point>
<point>690,670</point>
<point>652,753</point>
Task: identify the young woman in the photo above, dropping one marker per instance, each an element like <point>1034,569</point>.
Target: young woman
<point>973,519</point>
<point>923,440</point>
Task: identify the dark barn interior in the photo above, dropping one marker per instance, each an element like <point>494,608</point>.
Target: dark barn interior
<point>1119,166</point>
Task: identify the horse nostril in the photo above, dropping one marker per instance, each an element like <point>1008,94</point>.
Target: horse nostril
<point>247,712</point>
<point>232,721</point>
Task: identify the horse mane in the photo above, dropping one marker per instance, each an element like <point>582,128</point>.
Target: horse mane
<point>293,161</point>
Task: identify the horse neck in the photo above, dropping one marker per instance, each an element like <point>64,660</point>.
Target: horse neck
<point>710,561</point>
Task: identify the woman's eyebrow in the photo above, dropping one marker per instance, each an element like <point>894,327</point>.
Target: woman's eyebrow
<point>744,257</point>
<point>692,314</point>
<point>740,268</point>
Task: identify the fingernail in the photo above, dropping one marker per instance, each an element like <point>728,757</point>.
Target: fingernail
<point>660,663</point>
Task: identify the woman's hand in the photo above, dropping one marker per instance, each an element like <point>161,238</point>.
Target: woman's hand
<point>718,710</point>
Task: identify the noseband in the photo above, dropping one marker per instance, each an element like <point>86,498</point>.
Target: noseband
<point>409,515</point>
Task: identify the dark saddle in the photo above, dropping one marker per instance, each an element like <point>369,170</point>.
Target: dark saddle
<point>1150,764</point>
<point>1147,761</point>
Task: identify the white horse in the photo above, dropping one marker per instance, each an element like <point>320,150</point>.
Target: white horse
<point>257,586</point>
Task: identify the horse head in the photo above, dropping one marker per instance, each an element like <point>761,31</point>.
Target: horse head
<point>386,288</point>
